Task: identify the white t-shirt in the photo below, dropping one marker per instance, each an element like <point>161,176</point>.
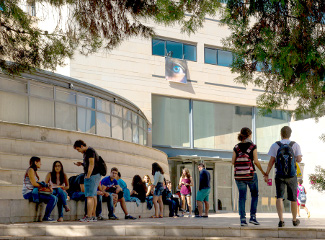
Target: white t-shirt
<point>275,147</point>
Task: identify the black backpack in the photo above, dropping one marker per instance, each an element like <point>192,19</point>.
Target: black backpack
<point>285,162</point>
<point>102,168</point>
<point>73,184</point>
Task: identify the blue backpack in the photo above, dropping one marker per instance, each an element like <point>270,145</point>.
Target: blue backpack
<point>285,162</point>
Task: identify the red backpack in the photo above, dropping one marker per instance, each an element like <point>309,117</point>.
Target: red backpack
<point>244,170</point>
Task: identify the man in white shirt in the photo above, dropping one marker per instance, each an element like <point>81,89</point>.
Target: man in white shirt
<point>280,181</point>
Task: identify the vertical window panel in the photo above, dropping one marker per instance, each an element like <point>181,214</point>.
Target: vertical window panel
<point>135,133</point>
<point>103,105</point>
<point>66,116</point>
<point>86,120</point>
<point>86,101</point>
<point>117,110</point>
<point>224,58</point>
<point>158,47</point>
<point>13,107</point>
<point>41,112</point>
<point>190,52</point>
<point>210,56</point>
<point>175,48</point>
<point>117,131</point>
<point>127,131</point>
<point>103,124</point>
<point>41,90</point>
<point>13,85</point>
<point>66,96</point>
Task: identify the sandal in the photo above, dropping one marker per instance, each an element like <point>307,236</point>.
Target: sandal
<point>67,209</point>
<point>154,216</point>
<point>160,216</point>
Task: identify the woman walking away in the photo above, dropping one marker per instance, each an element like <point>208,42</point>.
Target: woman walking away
<point>157,172</point>
<point>30,182</point>
<point>186,182</point>
<point>59,182</point>
<point>244,157</point>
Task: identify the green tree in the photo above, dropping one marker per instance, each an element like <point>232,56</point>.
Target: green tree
<point>90,25</point>
<point>284,40</point>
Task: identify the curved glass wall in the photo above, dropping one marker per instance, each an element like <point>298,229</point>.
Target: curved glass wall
<point>35,103</point>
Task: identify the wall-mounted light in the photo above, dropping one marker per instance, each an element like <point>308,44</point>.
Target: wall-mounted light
<point>115,100</point>
<point>70,85</point>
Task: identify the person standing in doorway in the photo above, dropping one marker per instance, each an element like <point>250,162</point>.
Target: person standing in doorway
<point>284,154</point>
<point>204,191</point>
<point>186,182</point>
<point>92,178</point>
<point>243,158</point>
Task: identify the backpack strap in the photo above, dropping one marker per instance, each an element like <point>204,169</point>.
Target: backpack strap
<point>250,148</point>
<point>291,143</point>
<point>279,143</point>
<point>238,149</point>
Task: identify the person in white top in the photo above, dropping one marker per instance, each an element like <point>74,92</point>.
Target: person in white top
<point>284,175</point>
<point>158,172</point>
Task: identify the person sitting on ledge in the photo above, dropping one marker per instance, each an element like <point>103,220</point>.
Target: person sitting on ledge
<point>30,182</point>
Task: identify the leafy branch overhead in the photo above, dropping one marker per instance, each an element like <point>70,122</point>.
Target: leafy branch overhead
<point>90,25</point>
<point>285,39</point>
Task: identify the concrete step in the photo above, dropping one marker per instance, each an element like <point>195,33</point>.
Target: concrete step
<point>134,230</point>
<point>138,238</point>
<point>45,135</point>
<point>21,210</point>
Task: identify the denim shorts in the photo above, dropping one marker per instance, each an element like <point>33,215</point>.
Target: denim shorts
<point>291,183</point>
<point>186,195</point>
<point>203,195</point>
<point>158,189</point>
<point>91,185</point>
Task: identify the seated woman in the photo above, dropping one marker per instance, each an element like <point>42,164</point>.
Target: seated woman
<point>150,189</point>
<point>59,182</point>
<point>30,182</point>
<point>139,189</point>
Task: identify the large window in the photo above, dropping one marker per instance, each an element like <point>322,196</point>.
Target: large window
<point>218,57</point>
<point>174,49</point>
<point>170,121</point>
<point>216,125</point>
<point>31,102</point>
<point>268,128</point>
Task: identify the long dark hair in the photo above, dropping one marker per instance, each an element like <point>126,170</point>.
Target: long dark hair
<point>53,173</point>
<point>137,180</point>
<point>32,164</point>
<point>156,168</point>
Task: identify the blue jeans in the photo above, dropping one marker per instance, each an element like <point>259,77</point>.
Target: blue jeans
<point>242,188</point>
<point>110,204</point>
<point>62,199</point>
<point>49,199</point>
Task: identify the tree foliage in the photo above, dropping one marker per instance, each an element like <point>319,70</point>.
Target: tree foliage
<point>286,40</point>
<point>90,25</point>
<point>317,179</point>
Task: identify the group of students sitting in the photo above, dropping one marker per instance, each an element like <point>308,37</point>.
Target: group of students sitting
<point>57,189</point>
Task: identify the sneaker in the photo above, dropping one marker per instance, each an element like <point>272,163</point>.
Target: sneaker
<point>254,221</point>
<point>281,224</point>
<point>129,217</point>
<point>112,217</point>
<point>100,218</point>
<point>296,223</point>
<point>243,223</point>
<point>198,216</point>
<point>85,219</point>
<point>93,219</point>
<point>48,219</point>
<point>190,215</point>
<point>205,216</point>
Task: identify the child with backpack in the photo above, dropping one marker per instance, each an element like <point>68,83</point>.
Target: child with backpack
<point>244,157</point>
<point>284,154</point>
<point>301,197</point>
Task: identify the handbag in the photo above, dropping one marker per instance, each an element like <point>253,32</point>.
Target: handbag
<point>45,190</point>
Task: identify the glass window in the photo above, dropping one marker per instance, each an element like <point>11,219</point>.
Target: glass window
<point>170,121</point>
<point>141,122</point>
<point>66,116</point>
<point>268,128</point>
<point>135,133</point>
<point>190,52</point>
<point>210,56</point>
<point>103,105</point>
<point>175,48</point>
<point>41,90</point>
<point>86,101</point>
<point>117,131</point>
<point>86,120</point>
<point>13,107</point>
<point>13,85</point>
<point>134,118</point>
<point>141,136</point>
<point>117,110</point>
<point>127,114</point>
<point>223,121</point>
<point>41,112</point>
<point>224,58</point>
<point>158,47</point>
<point>103,123</point>
<point>127,131</point>
<point>66,96</point>
<point>145,138</point>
